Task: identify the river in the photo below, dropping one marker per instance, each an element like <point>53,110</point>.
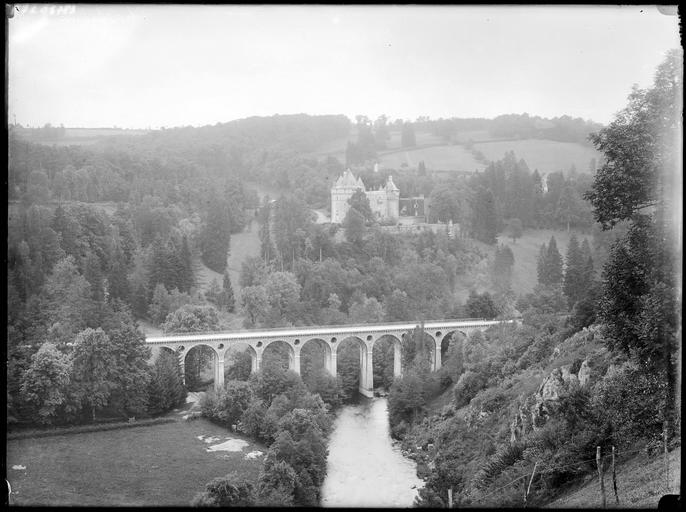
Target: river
<point>365,468</point>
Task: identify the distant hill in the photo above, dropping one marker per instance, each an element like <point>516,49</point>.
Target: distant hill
<point>61,136</point>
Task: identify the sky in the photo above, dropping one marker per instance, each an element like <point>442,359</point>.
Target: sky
<point>152,66</point>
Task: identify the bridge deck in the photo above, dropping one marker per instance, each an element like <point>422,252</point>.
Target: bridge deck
<point>313,332</point>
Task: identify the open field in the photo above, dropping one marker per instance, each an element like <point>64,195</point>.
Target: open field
<point>525,251</point>
<point>544,155</point>
<point>641,482</point>
<point>445,157</point>
<point>160,465</point>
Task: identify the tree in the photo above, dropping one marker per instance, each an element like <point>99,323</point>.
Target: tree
<point>485,224</point>
<point>253,272</point>
<point>502,268</point>
<point>481,305</point>
<point>568,206</point>
<point>216,235</point>
<point>44,385</point>
<point>639,296</point>
<point>514,229</point>
<point>159,305</point>
<point>227,300</point>
<point>360,202</point>
<point>228,405</point>
<point>445,205</point>
<point>354,226</point>
<point>192,318</point>
<point>65,301</point>
<point>230,491</point>
<point>367,310</point>
<point>550,264</point>
<point>94,369</point>
<point>277,483</point>
<point>640,148</point>
<point>165,388</point>
<point>575,284</point>
<point>254,305</point>
<point>130,371</point>
<point>407,136</point>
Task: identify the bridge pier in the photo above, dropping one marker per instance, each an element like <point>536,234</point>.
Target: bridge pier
<point>296,363</point>
<point>437,357</point>
<point>397,360</point>
<point>332,365</point>
<point>182,367</point>
<point>256,362</point>
<point>366,372</point>
<point>218,371</point>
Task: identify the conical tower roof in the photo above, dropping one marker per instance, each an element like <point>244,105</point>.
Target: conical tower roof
<point>390,186</point>
<point>347,179</point>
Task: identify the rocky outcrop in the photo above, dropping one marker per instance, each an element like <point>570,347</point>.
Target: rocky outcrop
<point>537,408</point>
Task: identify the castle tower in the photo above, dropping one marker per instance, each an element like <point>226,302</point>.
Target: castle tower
<point>343,189</point>
<point>392,200</point>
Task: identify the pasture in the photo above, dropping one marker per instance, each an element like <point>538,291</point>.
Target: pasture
<point>544,155</point>
<point>525,251</point>
<point>445,157</point>
<point>159,465</point>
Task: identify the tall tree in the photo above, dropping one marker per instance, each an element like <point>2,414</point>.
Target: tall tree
<point>44,385</point>
<point>94,369</point>
<point>641,149</point>
<point>574,284</point>
<point>485,225</point>
<point>216,235</point>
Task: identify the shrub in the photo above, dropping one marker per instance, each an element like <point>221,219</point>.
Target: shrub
<point>229,491</point>
<point>467,387</point>
<point>252,420</point>
<point>631,399</point>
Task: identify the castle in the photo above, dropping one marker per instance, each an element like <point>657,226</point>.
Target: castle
<point>384,202</point>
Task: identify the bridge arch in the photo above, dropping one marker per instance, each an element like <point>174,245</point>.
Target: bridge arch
<point>291,353</point>
<point>233,354</point>
<point>449,338</point>
<point>203,354</point>
<point>366,378</point>
<point>326,350</point>
<point>378,352</point>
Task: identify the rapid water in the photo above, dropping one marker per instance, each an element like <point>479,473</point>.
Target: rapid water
<point>365,468</point>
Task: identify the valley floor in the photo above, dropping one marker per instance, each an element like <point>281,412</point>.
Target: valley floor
<point>159,465</point>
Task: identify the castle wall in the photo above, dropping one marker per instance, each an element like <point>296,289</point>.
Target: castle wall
<point>383,203</point>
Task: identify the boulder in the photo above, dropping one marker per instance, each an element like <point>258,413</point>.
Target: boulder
<point>584,374</point>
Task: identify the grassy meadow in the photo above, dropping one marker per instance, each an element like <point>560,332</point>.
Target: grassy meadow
<point>445,157</point>
<point>525,251</point>
<point>159,465</point>
<point>544,155</point>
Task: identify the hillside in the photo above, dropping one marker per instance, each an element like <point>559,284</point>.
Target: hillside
<point>525,251</point>
<point>544,155</point>
<point>641,482</point>
<point>442,157</point>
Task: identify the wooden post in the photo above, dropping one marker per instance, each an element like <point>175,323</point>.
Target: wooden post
<point>600,474</point>
<point>528,489</point>
<point>664,438</point>
<point>614,476</point>
<point>450,498</point>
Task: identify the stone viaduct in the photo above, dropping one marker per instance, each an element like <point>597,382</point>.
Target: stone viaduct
<point>330,337</point>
